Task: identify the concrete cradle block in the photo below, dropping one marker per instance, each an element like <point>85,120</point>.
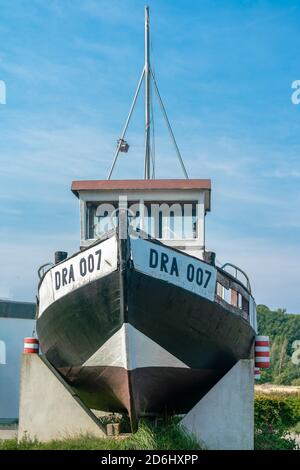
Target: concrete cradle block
<point>224,418</point>
<point>49,408</point>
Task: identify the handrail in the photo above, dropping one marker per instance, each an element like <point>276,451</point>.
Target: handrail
<point>41,273</point>
<point>237,269</point>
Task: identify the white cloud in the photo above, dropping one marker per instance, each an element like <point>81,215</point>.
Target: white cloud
<point>52,155</point>
<point>284,173</point>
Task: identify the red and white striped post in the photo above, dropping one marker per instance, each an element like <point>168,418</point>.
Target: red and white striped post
<point>256,373</point>
<point>31,346</point>
<point>262,352</point>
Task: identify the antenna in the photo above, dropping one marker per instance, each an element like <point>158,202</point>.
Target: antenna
<point>147,75</point>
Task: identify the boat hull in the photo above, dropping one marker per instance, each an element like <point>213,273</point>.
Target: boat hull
<point>129,341</point>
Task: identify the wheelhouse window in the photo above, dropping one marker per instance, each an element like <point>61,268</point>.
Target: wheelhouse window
<point>100,219</point>
<point>165,221</point>
<point>171,220</point>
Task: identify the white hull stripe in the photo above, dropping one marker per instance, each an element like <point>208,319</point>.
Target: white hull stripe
<point>77,271</point>
<point>130,349</point>
<point>176,268</point>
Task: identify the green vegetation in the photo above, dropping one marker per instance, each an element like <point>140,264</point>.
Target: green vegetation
<point>170,436</point>
<point>283,329</point>
<point>276,415</point>
<point>277,409</point>
<point>296,428</point>
<point>277,439</point>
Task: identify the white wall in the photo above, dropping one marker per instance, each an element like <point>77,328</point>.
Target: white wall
<point>12,334</point>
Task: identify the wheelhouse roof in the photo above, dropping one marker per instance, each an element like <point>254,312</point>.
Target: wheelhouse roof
<point>144,185</point>
<point>140,185</point>
<point>161,184</point>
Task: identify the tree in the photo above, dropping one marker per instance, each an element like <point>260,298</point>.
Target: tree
<point>283,329</point>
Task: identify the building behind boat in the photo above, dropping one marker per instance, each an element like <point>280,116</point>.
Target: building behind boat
<point>17,320</point>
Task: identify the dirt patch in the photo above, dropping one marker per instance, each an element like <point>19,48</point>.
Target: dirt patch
<point>8,433</point>
<point>271,388</point>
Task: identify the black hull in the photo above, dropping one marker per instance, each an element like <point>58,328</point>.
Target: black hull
<point>206,338</point>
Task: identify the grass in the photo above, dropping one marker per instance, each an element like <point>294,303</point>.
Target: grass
<point>165,436</point>
<point>171,436</point>
<point>274,439</point>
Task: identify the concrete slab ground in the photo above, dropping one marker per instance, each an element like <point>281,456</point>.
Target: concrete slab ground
<point>49,408</point>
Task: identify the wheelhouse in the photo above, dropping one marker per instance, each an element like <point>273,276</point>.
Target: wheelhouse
<point>172,211</point>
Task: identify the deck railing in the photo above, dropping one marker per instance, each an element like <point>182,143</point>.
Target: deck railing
<point>232,291</point>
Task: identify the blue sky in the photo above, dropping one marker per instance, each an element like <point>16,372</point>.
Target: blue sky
<point>224,69</point>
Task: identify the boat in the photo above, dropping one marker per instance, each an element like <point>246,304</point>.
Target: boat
<point>142,319</point>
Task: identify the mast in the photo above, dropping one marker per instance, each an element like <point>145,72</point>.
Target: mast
<point>147,75</point>
<point>147,96</point>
